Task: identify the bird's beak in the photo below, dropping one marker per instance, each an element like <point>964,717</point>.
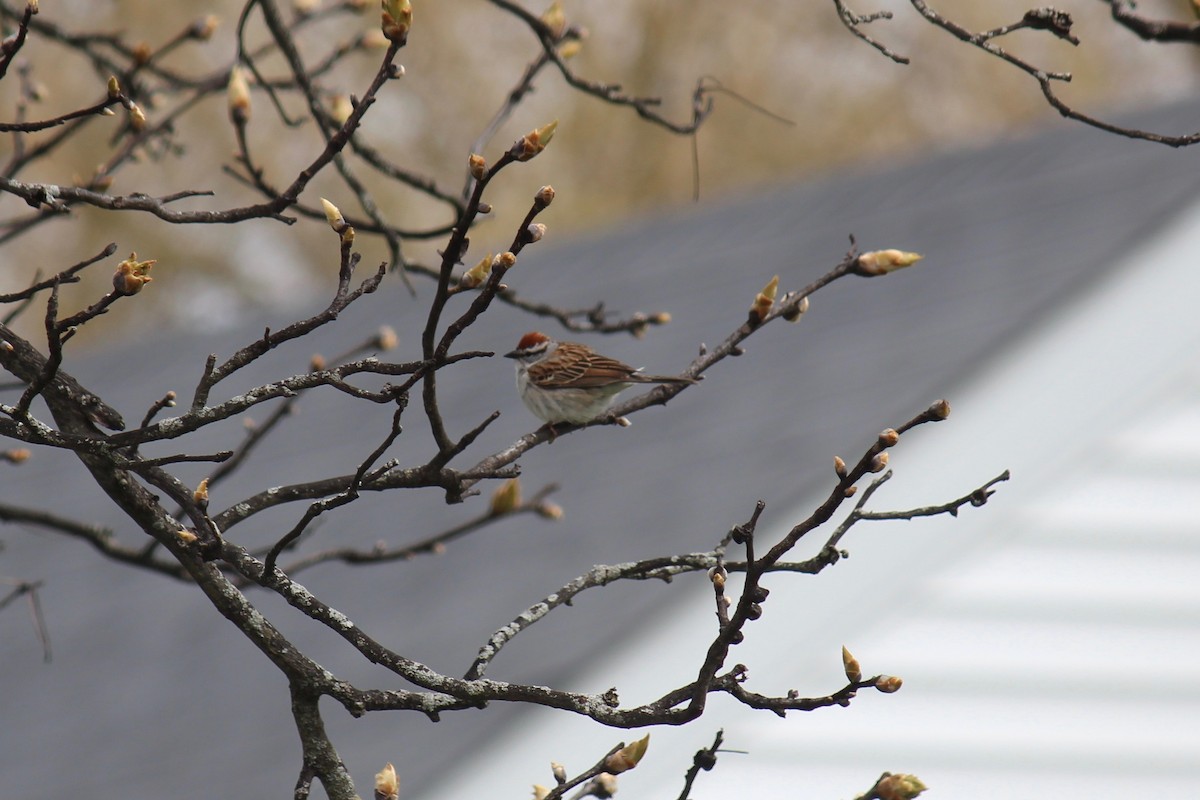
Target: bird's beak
<point>513,354</point>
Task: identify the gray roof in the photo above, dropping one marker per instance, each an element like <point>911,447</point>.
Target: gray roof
<point>149,688</point>
<point>1023,631</point>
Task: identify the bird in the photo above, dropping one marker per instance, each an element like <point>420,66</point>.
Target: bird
<point>570,382</point>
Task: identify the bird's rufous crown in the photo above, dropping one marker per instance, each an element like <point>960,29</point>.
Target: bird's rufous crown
<point>532,340</point>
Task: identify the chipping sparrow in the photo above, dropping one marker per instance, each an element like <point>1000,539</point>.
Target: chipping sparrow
<point>571,382</point>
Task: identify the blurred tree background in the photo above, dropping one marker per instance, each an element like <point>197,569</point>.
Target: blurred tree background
<point>848,107</point>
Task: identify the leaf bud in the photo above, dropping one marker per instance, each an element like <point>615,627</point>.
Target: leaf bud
<point>888,437</point>
<point>505,260</point>
<point>396,20</point>
<point>718,576</point>
<point>535,232</point>
<point>839,466</point>
<point>132,275</point>
<point>237,92</point>
<point>142,53</point>
<point>879,462</point>
<point>555,19</point>
<point>550,511</point>
<point>881,262</point>
<point>794,312</point>
<point>200,496</point>
<point>627,757</point>
<point>604,785</point>
<point>534,142</point>
<point>899,787</point>
<point>888,684</point>
<point>544,196</point>
<point>17,455</point>
<point>850,664</point>
<point>386,338</point>
<point>203,29</point>
<point>507,498</point>
<point>387,783</point>
<point>763,301</point>
<point>340,108</point>
<point>478,166</point>
<point>940,409</point>
<point>334,216</point>
<point>137,118</point>
<point>477,274</point>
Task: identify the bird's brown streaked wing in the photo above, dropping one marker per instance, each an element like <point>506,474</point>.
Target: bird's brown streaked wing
<point>576,367</point>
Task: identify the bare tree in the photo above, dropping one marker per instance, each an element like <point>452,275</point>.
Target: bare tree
<point>178,534</point>
<point>1052,22</point>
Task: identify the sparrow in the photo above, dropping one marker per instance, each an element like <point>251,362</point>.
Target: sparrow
<point>571,382</point>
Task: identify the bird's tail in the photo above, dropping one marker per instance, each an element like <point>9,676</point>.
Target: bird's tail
<point>663,379</point>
